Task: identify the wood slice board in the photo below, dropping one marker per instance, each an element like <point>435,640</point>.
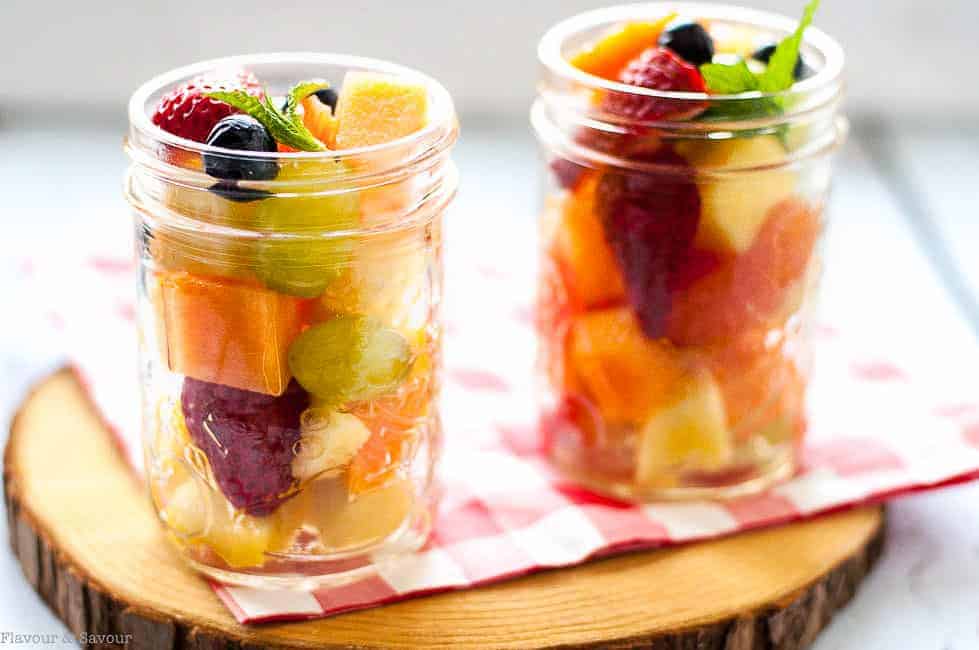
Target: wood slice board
<point>87,539</point>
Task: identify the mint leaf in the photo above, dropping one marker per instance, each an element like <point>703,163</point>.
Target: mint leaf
<point>737,78</point>
<point>734,79</point>
<point>729,78</point>
<point>298,93</point>
<point>779,74</point>
<point>286,131</point>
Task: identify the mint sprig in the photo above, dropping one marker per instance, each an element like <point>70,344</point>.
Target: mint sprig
<point>298,93</point>
<point>779,74</point>
<point>286,127</point>
<point>737,78</point>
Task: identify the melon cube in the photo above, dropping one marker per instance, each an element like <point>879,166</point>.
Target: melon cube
<point>375,108</point>
<point>225,331</point>
<point>330,439</point>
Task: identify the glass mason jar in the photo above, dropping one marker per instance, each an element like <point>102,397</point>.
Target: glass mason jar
<point>679,265</point>
<point>290,338</point>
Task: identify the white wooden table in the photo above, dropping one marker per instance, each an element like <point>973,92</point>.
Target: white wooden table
<point>903,270</point>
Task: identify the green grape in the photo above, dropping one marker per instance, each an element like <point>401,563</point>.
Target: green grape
<point>310,259</point>
<point>349,358</point>
<point>303,268</point>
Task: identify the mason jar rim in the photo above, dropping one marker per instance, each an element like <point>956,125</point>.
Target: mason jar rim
<point>551,53</point>
<point>441,116</point>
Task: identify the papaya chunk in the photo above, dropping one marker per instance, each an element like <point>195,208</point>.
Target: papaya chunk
<point>225,331</point>
<point>629,376</point>
<point>608,56</point>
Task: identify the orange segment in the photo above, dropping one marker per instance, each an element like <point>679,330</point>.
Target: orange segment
<point>613,52</point>
<point>751,376</point>
<point>746,292</point>
<point>628,375</point>
<point>581,245</point>
<point>374,108</point>
<point>318,118</point>
<point>225,331</point>
<point>393,421</point>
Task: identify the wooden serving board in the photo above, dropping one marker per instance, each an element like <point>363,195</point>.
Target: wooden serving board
<point>88,541</point>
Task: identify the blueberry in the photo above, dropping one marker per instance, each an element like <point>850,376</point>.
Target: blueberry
<point>328,96</point>
<point>231,191</point>
<point>765,52</point>
<point>242,133</point>
<point>690,41</point>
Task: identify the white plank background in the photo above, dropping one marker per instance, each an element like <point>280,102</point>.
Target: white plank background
<point>901,271</point>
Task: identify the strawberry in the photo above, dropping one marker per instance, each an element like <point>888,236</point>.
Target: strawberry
<point>657,69</point>
<point>650,219</point>
<point>187,113</point>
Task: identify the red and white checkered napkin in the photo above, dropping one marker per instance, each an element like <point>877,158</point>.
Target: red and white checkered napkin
<point>875,433</point>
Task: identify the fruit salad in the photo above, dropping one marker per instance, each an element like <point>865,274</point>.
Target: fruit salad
<point>289,234</point>
<point>687,170</point>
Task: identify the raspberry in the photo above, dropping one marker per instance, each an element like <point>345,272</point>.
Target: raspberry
<point>248,438</point>
<point>187,113</point>
<point>658,69</point>
<point>650,219</point>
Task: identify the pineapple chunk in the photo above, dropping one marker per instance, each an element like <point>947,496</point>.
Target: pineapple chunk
<point>202,516</point>
<point>328,444</point>
<point>241,540</point>
<point>388,280</point>
<point>186,510</point>
<point>367,518</point>
<point>734,208</point>
<point>324,507</point>
<point>692,431</point>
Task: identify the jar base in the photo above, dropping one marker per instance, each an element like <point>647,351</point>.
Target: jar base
<point>308,572</point>
<point>730,484</point>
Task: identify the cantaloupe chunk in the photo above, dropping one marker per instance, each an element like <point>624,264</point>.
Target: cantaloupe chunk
<point>607,56</point>
<point>580,244</point>
<point>734,207</point>
<point>629,376</point>
<point>375,108</point>
<point>225,331</point>
<point>690,431</point>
